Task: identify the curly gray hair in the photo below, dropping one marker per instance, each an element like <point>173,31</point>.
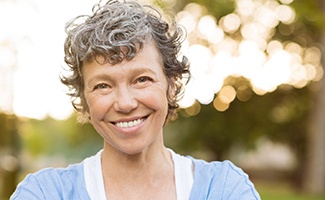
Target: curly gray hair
<point>117,31</point>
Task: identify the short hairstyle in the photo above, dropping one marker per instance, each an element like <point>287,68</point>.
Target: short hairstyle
<point>117,30</point>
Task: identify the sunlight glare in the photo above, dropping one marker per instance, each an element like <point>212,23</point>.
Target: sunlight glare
<point>195,10</point>
<point>310,71</point>
<point>274,72</point>
<point>187,100</point>
<point>273,46</point>
<point>227,94</point>
<point>230,23</point>
<point>222,66</point>
<point>238,44</point>
<point>313,55</point>
<point>285,14</point>
<point>220,105</point>
<point>250,59</point>
<point>254,55</point>
<point>245,7</point>
<point>202,88</point>
<point>187,20</point>
<point>37,39</point>
<point>243,93</point>
<point>194,109</point>
<point>266,17</point>
<point>286,1</point>
<point>208,29</point>
<point>294,48</point>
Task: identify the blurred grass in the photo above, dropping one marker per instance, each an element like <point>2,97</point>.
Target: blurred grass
<point>282,191</point>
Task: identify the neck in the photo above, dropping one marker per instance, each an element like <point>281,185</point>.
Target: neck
<point>149,163</point>
<point>148,174</point>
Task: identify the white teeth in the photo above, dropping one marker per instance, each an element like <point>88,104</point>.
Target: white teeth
<point>129,124</point>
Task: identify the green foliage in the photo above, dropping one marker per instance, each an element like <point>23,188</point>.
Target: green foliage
<point>283,191</point>
<point>305,30</point>
<point>8,131</point>
<point>307,27</point>
<point>8,149</point>
<point>64,137</point>
<point>280,116</point>
<point>310,13</point>
<point>218,8</point>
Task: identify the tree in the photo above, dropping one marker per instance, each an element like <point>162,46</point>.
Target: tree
<point>280,114</point>
<point>9,165</point>
<point>314,180</point>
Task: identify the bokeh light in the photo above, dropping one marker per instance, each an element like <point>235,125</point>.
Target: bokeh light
<point>31,52</point>
<point>241,44</point>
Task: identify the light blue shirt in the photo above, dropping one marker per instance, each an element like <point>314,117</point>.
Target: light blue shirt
<point>214,180</point>
<point>221,181</point>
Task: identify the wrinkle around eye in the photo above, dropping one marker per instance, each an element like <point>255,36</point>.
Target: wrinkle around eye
<point>102,87</point>
<point>144,81</point>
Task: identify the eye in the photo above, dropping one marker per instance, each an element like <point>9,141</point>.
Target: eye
<point>101,86</point>
<point>144,79</point>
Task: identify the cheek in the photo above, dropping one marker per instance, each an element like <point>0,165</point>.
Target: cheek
<point>156,99</point>
<point>98,106</point>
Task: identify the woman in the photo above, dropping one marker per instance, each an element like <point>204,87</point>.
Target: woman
<point>125,81</point>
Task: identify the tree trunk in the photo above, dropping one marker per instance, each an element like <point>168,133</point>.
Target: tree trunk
<point>314,177</point>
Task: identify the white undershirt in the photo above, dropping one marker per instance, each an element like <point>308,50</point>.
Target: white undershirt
<point>95,183</point>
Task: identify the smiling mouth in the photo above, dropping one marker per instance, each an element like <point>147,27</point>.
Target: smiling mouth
<point>130,124</point>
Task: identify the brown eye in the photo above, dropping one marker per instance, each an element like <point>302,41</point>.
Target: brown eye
<point>144,79</point>
<point>101,86</point>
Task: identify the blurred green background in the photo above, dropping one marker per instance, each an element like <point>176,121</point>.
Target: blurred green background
<point>275,131</point>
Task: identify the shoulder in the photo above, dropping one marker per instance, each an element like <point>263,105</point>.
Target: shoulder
<point>70,171</point>
<point>65,176</point>
<point>222,179</point>
<point>224,168</point>
<point>53,183</point>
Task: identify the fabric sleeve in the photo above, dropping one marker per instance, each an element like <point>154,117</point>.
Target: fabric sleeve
<point>65,184</point>
<point>29,188</point>
<point>237,185</point>
<point>221,181</point>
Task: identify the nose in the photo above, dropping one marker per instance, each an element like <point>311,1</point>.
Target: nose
<point>124,100</point>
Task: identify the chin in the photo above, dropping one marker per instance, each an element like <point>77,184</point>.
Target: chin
<point>131,150</point>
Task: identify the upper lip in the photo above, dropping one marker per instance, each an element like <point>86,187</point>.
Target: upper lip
<point>129,119</point>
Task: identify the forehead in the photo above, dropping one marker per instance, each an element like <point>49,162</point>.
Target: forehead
<point>145,57</point>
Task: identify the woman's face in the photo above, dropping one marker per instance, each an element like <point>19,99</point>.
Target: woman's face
<point>127,101</point>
